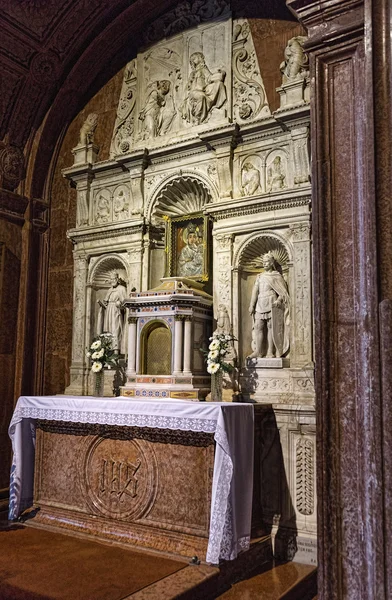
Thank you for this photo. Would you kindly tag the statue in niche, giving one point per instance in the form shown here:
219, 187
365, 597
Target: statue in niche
190, 259
120, 206
86, 135
276, 176
223, 326
270, 309
103, 210
205, 91
250, 179
157, 114
111, 313
296, 63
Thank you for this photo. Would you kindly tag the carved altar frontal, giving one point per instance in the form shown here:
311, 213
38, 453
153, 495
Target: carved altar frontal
168, 329
122, 483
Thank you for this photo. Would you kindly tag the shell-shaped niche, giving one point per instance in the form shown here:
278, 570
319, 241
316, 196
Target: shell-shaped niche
251, 258
100, 276
182, 196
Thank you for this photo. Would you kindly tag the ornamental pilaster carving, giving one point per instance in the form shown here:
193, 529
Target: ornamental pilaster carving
300, 145
79, 312
302, 314
305, 476
222, 268
136, 172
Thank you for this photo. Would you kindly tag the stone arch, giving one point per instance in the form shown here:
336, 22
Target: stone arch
155, 354
99, 271
249, 255
181, 194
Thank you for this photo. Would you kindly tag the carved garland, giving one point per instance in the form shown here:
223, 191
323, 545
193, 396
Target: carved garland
305, 476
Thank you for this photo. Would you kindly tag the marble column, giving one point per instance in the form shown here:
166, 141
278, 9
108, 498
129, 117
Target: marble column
349, 49
178, 345
188, 346
132, 329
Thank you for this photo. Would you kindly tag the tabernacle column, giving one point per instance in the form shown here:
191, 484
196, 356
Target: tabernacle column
188, 346
177, 345
132, 346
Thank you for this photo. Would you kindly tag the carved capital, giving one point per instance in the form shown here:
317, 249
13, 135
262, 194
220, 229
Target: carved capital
132, 320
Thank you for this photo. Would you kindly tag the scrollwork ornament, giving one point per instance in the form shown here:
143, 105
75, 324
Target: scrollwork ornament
249, 93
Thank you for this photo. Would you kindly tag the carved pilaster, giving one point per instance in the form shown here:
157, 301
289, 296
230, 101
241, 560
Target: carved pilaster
222, 270
301, 351
135, 266
300, 146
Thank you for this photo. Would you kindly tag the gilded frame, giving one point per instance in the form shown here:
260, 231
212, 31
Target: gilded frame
179, 230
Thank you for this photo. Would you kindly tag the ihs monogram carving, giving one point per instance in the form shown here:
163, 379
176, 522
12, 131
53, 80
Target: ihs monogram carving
118, 476
250, 99
305, 476
118, 479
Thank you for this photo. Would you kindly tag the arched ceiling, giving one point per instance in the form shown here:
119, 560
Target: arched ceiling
55, 54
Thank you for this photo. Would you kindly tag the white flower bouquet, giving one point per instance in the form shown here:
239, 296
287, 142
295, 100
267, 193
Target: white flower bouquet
102, 353
220, 345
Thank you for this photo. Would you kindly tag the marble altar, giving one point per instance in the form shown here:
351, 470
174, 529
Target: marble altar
143, 472
195, 138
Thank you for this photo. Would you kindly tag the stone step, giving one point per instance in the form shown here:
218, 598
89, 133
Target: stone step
288, 581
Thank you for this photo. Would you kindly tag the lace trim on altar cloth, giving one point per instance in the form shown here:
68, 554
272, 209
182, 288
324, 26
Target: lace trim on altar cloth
75, 416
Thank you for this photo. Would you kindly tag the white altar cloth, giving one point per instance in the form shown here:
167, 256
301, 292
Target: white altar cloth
231, 423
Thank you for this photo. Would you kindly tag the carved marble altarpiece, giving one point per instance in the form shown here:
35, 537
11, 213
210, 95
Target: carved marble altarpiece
195, 141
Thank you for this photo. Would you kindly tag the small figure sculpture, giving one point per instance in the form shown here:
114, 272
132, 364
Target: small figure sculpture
250, 179
120, 206
111, 313
269, 307
295, 65
190, 260
103, 210
156, 114
206, 91
223, 326
276, 176
87, 130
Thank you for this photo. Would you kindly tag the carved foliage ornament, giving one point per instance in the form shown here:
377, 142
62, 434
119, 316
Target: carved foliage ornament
249, 94
185, 15
125, 121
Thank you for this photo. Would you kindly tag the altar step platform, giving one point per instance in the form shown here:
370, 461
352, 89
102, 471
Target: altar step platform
37, 564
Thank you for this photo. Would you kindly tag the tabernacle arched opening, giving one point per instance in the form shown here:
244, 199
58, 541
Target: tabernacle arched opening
156, 342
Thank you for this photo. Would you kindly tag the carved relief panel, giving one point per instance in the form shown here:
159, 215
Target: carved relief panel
249, 96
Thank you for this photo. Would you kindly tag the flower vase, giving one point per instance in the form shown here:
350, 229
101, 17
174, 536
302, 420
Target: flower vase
99, 384
217, 386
